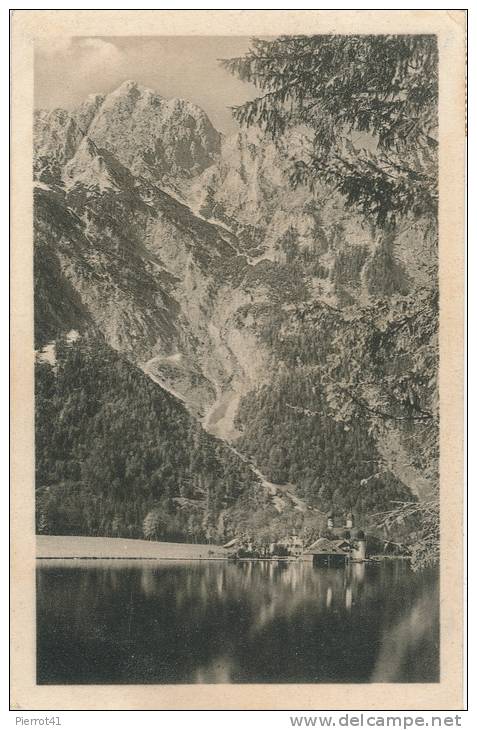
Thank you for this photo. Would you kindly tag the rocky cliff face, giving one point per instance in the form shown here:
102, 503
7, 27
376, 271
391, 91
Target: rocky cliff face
117, 252
187, 251
249, 190
152, 136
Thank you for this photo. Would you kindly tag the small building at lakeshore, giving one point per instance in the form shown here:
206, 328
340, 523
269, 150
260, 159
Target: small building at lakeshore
338, 543
326, 552
292, 545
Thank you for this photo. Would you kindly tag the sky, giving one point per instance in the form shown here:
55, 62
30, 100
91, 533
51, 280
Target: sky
68, 69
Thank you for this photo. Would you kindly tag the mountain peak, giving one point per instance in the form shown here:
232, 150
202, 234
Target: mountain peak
127, 85
94, 98
150, 135
132, 88
154, 136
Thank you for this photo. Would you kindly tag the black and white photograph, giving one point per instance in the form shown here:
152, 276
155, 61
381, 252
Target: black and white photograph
236, 298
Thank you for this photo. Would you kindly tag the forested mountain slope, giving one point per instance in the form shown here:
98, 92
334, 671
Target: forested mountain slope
192, 270
114, 450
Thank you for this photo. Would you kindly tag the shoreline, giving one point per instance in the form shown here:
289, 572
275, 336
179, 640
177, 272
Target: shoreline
72, 548
62, 547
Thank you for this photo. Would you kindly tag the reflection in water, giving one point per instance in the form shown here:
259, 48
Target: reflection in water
113, 623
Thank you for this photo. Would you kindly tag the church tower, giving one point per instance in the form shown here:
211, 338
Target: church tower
359, 550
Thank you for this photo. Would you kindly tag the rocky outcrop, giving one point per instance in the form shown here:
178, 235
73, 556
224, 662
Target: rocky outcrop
56, 137
152, 136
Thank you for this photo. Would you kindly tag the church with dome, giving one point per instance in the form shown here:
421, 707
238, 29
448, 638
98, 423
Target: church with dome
338, 544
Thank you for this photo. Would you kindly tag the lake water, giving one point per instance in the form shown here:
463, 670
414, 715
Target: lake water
116, 622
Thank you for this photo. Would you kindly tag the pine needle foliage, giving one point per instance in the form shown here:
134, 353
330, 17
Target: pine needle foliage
371, 103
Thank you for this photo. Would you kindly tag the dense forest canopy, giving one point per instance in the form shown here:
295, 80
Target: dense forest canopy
118, 456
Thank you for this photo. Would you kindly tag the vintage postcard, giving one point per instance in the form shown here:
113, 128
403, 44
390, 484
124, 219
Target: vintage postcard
237, 363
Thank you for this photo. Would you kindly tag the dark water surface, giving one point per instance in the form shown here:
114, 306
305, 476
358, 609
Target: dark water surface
111, 622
